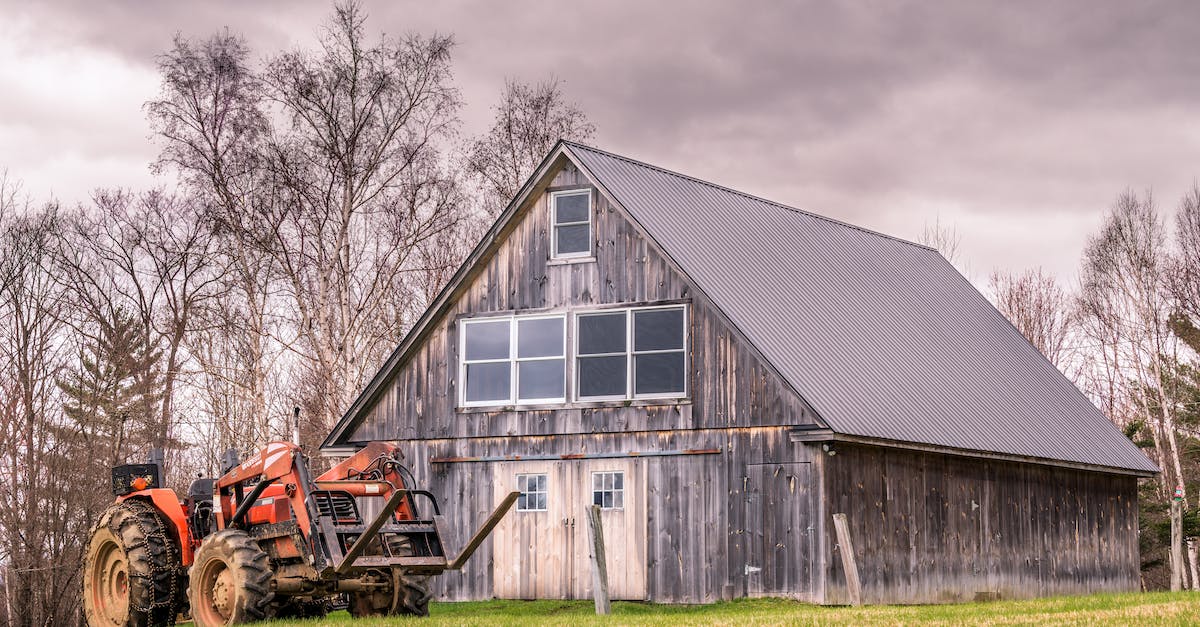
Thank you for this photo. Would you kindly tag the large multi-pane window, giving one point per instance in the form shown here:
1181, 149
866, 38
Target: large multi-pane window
571, 224
631, 353
513, 360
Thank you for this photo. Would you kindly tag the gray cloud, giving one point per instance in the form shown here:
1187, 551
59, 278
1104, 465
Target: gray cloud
1018, 121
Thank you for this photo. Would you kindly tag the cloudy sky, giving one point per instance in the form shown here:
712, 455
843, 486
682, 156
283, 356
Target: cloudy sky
1018, 124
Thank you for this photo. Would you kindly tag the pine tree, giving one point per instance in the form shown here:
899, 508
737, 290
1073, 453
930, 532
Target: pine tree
112, 397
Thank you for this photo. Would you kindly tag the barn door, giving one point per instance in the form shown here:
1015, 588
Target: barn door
618, 487
779, 530
533, 556
541, 550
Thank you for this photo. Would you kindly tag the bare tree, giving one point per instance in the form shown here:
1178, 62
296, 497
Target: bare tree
1126, 302
359, 185
1185, 271
212, 123
40, 523
1039, 308
530, 119
944, 239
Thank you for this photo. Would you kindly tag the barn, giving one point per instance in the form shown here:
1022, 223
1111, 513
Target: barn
723, 375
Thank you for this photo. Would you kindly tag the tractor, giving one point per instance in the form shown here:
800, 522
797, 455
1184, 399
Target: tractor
266, 540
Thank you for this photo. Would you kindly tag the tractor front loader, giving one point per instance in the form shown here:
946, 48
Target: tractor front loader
267, 540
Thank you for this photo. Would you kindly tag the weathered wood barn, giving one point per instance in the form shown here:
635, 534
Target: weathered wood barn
723, 374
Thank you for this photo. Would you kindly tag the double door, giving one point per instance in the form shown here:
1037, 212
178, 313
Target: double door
542, 549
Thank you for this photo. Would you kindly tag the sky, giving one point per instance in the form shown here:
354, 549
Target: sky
1016, 123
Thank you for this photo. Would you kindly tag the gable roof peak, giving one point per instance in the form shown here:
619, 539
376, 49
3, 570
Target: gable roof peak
730, 190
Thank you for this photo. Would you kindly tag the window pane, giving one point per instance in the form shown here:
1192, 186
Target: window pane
573, 239
541, 483
597, 481
540, 337
598, 498
541, 379
601, 376
608, 500
619, 500
486, 340
488, 382
602, 333
658, 373
573, 208
619, 481
541, 500
522, 503
657, 329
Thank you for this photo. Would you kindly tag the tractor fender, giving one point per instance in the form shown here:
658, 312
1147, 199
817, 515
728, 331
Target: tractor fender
165, 501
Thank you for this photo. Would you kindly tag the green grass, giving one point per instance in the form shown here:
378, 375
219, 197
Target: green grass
1159, 608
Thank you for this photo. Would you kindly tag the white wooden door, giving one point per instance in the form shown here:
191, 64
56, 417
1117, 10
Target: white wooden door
532, 545
619, 487
542, 549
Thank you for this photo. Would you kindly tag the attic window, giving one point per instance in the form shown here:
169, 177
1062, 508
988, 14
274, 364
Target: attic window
571, 224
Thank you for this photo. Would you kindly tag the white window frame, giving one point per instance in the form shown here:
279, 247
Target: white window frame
513, 361
521, 476
554, 224
630, 353
614, 490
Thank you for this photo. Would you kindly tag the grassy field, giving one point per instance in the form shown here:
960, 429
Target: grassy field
1123, 609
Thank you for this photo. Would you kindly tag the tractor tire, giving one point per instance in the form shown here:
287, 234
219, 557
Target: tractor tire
413, 600
291, 608
230, 581
132, 573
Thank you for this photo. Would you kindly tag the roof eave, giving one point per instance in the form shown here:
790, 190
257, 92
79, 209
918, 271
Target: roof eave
815, 436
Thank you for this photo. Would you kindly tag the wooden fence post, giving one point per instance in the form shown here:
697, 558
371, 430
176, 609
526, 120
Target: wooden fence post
1176, 544
849, 564
599, 562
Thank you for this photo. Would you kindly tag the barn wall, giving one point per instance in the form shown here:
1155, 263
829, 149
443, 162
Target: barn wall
930, 528
702, 527
728, 384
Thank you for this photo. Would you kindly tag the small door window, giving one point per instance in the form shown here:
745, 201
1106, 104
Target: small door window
533, 493
608, 489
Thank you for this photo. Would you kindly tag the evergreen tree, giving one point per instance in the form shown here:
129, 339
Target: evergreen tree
111, 400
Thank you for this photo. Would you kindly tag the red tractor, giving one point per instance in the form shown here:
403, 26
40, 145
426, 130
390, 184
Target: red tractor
267, 540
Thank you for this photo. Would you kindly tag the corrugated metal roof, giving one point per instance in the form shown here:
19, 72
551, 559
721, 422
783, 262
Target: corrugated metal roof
883, 337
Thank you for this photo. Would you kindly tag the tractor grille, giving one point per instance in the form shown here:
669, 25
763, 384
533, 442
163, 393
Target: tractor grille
338, 505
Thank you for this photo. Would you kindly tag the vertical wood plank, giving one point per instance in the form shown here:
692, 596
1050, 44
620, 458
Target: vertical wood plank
599, 561
849, 563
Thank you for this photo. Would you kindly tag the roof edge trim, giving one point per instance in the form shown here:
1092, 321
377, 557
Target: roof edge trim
815, 436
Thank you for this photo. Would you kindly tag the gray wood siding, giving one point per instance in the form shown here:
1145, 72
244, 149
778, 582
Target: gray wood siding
930, 528
697, 541
728, 384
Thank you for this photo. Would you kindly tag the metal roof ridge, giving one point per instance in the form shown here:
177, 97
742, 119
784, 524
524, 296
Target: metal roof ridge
750, 196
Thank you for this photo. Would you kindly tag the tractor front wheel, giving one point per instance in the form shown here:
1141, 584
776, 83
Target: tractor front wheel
131, 573
411, 598
230, 581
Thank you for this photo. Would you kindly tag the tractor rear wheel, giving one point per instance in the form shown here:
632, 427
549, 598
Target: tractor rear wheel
230, 581
132, 569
